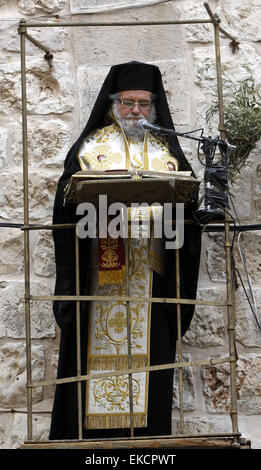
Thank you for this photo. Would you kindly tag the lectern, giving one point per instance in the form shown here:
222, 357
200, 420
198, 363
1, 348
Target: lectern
130, 187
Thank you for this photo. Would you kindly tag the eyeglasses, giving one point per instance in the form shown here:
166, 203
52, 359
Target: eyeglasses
130, 104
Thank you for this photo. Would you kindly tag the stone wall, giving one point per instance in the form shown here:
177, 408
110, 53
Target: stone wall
59, 100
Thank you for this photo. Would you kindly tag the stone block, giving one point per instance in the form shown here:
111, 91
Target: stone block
42, 188
43, 255
201, 33
30, 7
247, 329
250, 245
243, 20
52, 38
3, 149
48, 144
234, 68
257, 187
90, 80
216, 380
176, 71
203, 425
54, 363
40, 426
12, 251
188, 387
12, 309
95, 46
241, 193
207, 326
100, 6
1, 435
257, 204
215, 257
49, 90
13, 374
6, 421
250, 428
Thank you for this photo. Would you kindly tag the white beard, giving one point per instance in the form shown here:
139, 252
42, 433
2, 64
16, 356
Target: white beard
129, 122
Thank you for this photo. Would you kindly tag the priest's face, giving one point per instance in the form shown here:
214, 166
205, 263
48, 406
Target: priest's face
141, 108
132, 105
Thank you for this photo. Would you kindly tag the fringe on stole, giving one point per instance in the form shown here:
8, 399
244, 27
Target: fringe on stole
116, 362
114, 421
116, 276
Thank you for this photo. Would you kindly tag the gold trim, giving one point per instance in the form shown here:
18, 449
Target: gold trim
114, 422
127, 151
112, 277
79, 158
145, 153
116, 362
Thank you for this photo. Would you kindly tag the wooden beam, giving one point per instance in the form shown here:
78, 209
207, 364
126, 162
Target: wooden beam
132, 443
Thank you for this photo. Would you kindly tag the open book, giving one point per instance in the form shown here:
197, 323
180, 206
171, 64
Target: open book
154, 183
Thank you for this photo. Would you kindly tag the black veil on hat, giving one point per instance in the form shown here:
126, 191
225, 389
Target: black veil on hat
128, 76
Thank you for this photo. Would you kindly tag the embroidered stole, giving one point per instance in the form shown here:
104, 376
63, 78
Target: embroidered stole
107, 399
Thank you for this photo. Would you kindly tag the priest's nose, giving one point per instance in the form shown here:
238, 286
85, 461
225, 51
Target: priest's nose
135, 109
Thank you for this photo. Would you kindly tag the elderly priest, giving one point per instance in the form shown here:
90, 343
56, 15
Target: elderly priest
111, 140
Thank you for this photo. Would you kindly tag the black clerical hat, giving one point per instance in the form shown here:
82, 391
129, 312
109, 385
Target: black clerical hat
136, 76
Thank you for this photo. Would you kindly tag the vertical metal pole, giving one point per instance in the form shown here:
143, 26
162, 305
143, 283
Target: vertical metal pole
22, 32
179, 351
221, 126
129, 337
229, 276
78, 336
231, 329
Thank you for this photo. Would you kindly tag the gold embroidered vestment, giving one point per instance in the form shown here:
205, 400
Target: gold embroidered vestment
107, 399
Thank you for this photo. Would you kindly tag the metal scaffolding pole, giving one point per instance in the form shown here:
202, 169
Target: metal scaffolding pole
78, 337
227, 243
22, 32
231, 358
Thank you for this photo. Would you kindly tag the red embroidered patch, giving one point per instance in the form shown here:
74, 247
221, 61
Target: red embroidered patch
100, 158
171, 166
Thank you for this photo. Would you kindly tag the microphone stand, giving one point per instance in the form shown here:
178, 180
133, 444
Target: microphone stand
215, 177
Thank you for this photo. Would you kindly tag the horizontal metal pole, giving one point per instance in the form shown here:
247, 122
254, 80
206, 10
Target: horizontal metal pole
46, 226
23, 411
142, 438
137, 370
127, 299
210, 227
114, 23
212, 20
216, 225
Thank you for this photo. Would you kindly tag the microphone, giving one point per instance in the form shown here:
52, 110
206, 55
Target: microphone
144, 124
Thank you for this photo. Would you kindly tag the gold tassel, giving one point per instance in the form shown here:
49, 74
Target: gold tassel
114, 421
112, 277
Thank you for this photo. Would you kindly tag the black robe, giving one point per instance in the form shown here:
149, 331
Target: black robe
163, 333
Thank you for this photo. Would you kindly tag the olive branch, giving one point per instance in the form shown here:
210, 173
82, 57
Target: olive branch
242, 119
